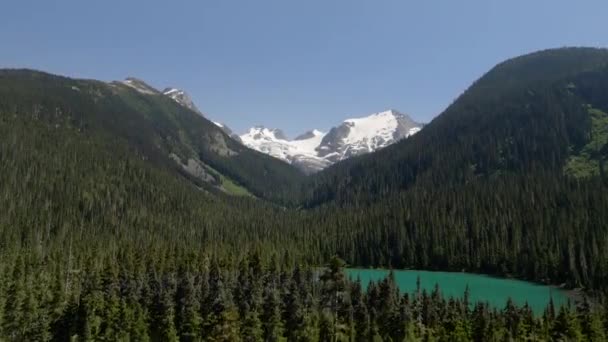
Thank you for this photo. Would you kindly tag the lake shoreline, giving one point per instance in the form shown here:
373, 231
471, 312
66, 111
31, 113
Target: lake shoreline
576, 295
485, 287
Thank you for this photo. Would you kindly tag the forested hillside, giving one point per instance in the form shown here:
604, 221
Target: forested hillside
191, 297
152, 125
509, 179
104, 236
531, 114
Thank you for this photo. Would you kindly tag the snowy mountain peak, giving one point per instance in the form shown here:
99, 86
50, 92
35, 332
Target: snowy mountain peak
182, 98
315, 150
373, 129
366, 134
386, 115
140, 86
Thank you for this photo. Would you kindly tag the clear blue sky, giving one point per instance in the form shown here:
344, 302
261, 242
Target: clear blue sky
294, 64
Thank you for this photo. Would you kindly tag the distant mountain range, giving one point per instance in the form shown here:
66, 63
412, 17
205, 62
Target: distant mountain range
315, 150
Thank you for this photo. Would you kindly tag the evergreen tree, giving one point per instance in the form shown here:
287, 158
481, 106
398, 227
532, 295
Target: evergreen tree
480, 323
271, 316
335, 297
14, 304
251, 326
162, 322
187, 315
590, 322
361, 316
566, 326
293, 314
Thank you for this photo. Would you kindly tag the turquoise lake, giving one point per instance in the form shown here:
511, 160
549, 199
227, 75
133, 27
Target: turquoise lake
495, 291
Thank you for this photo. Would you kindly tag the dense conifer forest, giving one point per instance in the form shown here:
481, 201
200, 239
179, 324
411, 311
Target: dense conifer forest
107, 234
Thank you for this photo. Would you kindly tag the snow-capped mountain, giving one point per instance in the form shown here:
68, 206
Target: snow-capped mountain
315, 150
367, 134
182, 98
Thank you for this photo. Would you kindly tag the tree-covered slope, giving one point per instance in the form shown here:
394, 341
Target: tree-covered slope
535, 113
150, 124
508, 180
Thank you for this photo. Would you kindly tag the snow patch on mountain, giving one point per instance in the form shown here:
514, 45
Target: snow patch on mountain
181, 97
177, 95
414, 130
140, 86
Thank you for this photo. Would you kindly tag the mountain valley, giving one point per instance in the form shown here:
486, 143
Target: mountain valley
129, 215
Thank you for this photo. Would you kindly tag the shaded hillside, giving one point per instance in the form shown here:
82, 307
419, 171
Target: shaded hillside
151, 124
